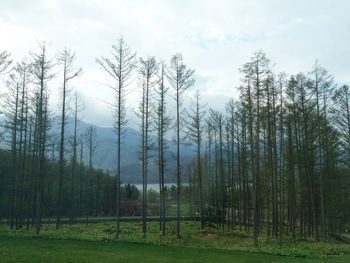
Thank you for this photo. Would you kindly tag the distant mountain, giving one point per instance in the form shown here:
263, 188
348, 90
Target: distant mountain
106, 155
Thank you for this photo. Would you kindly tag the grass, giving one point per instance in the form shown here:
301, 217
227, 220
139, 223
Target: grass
28, 249
220, 244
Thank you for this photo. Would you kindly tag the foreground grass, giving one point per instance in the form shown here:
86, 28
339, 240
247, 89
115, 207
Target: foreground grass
192, 237
26, 249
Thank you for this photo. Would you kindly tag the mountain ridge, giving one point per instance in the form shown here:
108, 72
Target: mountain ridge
106, 154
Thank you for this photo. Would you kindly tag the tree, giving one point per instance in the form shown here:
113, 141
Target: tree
162, 123
77, 108
321, 85
5, 61
231, 108
180, 78
281, 83
148, 74
81, 173
23, 72
255, 72
66, 59
119, 68
217, 123
91, 143
341, 109
305, 107
42, 74
12, 119
341, 116
195, 129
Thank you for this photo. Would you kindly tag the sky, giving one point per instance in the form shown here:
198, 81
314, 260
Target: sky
215, 38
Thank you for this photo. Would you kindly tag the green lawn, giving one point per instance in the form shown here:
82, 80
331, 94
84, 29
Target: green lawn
96, 242
26, 249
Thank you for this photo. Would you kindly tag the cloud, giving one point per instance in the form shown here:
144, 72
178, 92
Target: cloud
215, 39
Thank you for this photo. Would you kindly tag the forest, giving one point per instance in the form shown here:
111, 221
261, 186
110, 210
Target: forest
275, 165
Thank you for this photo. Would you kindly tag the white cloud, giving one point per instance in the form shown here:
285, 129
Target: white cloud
216, 38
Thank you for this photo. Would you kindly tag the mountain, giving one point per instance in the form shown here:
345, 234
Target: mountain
106, 154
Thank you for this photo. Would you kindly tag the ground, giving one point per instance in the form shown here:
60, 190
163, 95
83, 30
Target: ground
96, 243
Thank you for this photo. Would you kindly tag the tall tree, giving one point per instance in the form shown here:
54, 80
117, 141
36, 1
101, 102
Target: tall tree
91, 143
42, 68
162, 122
195, 130
341, 115
23, 70
217, 122
119, 68
77, 108
148, 74
255, 71
322, 85
231, 108
341, 109
306, 106
180, 78
66, 59
12, 120
281, 83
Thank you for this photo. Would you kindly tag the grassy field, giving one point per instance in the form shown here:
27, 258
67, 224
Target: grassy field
96, 243
15, 249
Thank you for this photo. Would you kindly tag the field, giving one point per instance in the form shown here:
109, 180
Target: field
95, 243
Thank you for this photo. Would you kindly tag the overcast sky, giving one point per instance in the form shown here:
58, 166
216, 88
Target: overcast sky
215, 38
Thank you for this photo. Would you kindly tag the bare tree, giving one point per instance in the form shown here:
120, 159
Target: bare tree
195, 129
119, 68
322, 86
11, 123
42, 74
5, 61
255, 72
91, 143
77, 108
66, 59
162, 123
180, 78
148, 76
217, 123
231, 108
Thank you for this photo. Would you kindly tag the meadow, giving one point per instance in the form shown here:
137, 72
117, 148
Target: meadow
96, 242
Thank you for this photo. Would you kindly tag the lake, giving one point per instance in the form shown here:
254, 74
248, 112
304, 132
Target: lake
155, 187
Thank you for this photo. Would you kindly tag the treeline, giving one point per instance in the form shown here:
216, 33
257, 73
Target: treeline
276, 161
94, 193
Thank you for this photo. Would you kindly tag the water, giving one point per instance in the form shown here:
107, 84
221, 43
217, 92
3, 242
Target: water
154, 187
